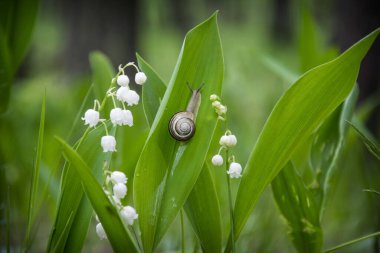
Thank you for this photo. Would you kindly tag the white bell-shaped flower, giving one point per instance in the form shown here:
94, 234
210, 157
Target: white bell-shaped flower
108, 143
140, 78
228, 141
128, 96
117, 117
127, 118
129, 214
235, 170
123, 80
217, 160
118, 177
91, 118
119, 190
100, 231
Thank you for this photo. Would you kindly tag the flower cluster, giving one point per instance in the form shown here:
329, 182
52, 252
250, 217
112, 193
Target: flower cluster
119, 116
116, 189
227, 141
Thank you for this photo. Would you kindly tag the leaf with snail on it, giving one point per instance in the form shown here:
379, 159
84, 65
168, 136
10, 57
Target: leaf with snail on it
303, 107
167, 169
202, 206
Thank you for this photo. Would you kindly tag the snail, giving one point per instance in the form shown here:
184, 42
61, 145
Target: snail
182, 124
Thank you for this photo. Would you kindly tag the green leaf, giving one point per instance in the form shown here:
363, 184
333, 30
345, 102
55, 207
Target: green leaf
36, 175
327, 146
303, 107
202, 205
152, 92
118, 235
371, 145
71, 194
203, 210
6, 71
167, 169
297, 205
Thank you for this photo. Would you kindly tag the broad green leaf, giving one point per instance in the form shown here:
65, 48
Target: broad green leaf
202, 209
152, 92
118, 235
71, 194
371, 144
327, 146
6, 71
36, 175
202, 205
167, 169
303, 107
297, 205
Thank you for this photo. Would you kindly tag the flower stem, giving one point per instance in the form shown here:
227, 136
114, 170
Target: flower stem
137, 239
232, 222
182, 231
352, 242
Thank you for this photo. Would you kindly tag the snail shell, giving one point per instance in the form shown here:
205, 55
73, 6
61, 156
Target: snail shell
182, 126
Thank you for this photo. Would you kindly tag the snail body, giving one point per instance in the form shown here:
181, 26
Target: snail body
182, 124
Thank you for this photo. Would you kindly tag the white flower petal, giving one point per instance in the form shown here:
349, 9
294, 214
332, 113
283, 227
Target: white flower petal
100, 231
119, 190
129, 214
108, 143
118, 177
91, 118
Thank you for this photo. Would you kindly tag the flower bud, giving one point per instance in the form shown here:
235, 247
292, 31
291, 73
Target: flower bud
140, 78
100, 231
118, 177
123, 80
217, 160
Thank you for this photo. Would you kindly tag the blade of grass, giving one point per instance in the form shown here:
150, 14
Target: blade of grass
303, 107
340, 246
119, 237
371, 145
35, 176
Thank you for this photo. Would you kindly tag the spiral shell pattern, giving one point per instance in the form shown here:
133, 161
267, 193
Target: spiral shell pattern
181, 126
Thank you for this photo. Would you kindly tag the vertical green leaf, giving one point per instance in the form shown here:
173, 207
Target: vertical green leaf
297, 205
167, 170
303, 107
202, 205
117, 234
36, 175
203, 210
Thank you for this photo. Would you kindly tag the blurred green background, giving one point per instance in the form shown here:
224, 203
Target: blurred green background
267, 44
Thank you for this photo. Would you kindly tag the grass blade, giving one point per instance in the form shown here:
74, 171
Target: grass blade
352, 242
36, 175
118, 235
304, 106
371, 145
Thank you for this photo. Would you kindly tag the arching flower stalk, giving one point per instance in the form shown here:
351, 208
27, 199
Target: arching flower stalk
233, 169
115, 185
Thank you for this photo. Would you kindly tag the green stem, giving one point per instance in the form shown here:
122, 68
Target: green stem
182, 231
352, 242
231, 206
136, 238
